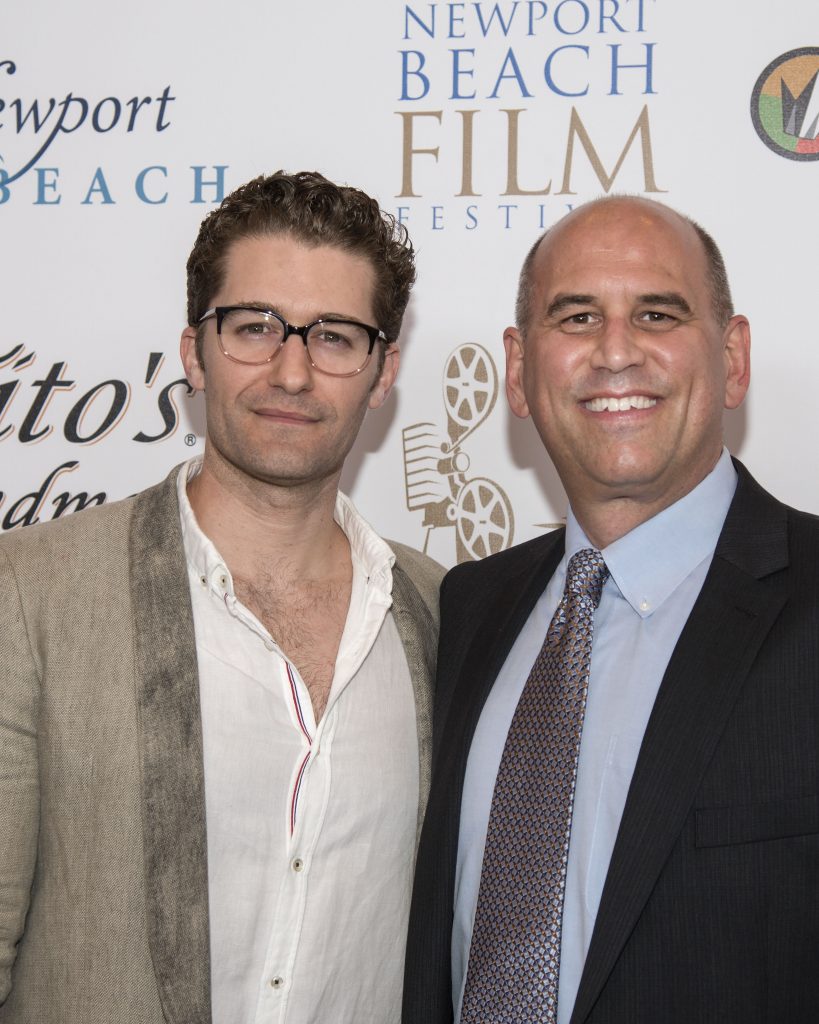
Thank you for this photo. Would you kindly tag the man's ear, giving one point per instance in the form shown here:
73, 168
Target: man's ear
190, 359
736, 347
513, 343
383, 386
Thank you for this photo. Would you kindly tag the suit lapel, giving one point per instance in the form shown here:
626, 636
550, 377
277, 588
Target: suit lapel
504, 606
730, 619
173, 801
483, 608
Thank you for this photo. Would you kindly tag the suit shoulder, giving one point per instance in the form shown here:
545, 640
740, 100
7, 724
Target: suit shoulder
424, 571
76, 534
81, 538
504, 564
803, 546
806, 523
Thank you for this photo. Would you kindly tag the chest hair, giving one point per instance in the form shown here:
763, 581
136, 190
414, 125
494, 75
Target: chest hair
306, 619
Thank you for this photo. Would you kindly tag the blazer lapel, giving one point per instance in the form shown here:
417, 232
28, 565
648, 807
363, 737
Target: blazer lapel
173, 801
419, 635
733, 614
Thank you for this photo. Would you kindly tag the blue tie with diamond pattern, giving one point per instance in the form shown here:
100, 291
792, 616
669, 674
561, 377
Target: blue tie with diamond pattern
514, 957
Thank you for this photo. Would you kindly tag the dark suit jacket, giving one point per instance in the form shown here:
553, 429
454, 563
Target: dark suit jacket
710, 910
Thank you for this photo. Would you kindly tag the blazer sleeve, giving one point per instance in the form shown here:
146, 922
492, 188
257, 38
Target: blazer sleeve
19, 776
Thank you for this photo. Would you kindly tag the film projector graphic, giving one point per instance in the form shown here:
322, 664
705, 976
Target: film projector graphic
436, 466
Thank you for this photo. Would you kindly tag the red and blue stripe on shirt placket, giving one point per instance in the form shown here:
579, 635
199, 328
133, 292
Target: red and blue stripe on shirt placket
294, 800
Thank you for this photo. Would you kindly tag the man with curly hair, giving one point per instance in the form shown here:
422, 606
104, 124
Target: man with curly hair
213, 770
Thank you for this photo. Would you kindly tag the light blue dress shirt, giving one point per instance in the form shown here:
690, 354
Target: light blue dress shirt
657, 571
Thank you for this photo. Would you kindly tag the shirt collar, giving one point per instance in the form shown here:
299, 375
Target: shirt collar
371, 555
652, 560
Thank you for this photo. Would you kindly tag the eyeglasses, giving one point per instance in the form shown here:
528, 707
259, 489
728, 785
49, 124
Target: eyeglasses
253, 336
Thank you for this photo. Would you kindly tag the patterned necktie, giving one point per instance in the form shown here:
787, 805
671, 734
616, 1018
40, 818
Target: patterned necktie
514, 958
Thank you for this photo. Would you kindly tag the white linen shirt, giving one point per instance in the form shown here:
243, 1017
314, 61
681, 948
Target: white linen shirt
310, 826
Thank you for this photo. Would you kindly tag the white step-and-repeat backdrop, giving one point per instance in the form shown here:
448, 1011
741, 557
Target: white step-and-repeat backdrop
478, 124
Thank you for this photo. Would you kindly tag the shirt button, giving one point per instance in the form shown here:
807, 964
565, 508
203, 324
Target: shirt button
298, 864
276, 982
644, 605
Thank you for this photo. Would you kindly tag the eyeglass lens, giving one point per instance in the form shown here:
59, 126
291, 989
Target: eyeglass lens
253, 336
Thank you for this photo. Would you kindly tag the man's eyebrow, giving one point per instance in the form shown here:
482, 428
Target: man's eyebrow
566, 300
672, 299
263, 307
563, 300
272, 307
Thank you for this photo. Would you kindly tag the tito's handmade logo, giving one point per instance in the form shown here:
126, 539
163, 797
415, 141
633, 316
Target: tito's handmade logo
33, 416
785, 104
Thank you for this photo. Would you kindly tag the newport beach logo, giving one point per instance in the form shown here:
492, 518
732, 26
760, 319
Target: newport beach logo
35, 130
785, 104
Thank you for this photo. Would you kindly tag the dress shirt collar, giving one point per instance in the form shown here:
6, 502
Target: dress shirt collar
652, 560
371, 555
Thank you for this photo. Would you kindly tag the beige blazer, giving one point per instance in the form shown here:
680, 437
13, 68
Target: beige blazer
103, 873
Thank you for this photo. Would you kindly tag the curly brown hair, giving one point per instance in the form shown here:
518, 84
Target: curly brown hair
313, 211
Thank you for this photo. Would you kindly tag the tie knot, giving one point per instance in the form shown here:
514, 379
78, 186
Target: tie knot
586, 573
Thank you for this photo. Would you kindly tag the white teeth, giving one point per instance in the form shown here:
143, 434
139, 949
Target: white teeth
620, 404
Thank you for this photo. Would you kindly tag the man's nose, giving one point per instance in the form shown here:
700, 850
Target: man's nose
290, 368
618, 346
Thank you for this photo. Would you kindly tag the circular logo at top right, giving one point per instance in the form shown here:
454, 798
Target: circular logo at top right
785, 104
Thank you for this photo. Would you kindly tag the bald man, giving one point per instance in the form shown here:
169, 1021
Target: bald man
624, 818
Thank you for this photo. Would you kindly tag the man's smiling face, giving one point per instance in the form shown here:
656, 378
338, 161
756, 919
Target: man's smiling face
623, 366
